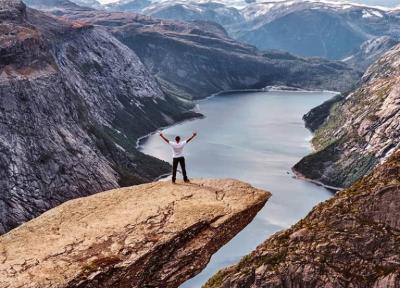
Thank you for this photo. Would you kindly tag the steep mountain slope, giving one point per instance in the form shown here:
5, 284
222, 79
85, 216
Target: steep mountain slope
73, 102
362, 130
194, 60
351, 240
370, 51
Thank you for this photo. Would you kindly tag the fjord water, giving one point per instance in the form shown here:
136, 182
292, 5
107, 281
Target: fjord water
257, 138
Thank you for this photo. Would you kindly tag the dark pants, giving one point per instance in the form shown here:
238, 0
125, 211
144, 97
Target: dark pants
180, 160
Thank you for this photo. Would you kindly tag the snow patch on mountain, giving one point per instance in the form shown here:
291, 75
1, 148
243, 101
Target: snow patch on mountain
371, 14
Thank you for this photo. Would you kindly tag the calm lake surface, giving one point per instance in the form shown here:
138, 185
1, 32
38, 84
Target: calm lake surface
257, 138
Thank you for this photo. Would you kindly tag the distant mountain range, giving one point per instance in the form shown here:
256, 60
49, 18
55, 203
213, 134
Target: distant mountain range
306, 28
198, 58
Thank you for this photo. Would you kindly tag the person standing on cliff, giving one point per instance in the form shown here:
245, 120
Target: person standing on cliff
177, 154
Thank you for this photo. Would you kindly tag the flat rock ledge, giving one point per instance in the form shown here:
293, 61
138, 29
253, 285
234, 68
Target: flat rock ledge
152, 235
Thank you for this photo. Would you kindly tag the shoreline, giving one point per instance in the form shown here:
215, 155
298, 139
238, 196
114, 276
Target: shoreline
272, 89
299, 175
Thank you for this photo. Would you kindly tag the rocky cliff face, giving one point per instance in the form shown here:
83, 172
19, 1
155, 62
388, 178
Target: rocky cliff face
361, 130
73, 101
351, 240
124, 238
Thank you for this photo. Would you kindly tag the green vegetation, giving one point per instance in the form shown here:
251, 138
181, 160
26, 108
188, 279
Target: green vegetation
216, 280
372, 181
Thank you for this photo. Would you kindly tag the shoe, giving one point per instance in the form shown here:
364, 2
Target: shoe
186, 181
173, 181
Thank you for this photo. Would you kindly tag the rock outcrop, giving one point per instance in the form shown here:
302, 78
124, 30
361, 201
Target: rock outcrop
151, 235
317, 116
351, 240
361, 130
73, 102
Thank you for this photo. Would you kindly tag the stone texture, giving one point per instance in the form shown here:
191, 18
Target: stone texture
73, 101
351, 240
151, 235
362, 129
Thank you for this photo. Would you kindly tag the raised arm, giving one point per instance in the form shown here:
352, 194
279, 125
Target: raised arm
191, 138
163, 137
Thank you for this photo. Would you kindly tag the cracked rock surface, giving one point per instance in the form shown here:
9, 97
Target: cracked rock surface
151, 235
351, 240
361, 130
